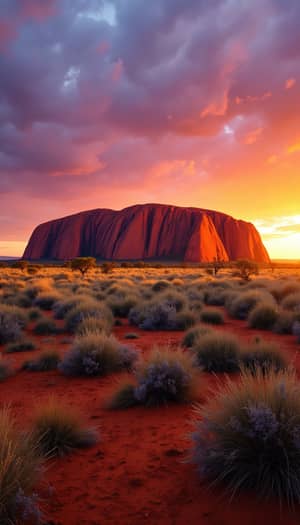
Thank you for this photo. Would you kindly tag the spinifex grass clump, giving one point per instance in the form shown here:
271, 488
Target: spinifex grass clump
248, 436
208, 315
161, 315
292, 302
58, 429
45, 326
97, 354
217, 352
88, 309
194, 334
12, 321
5, 369
24, 345
167, 376
20, 466
240, 305
263, 356
296, 330
46, 300
47, 360
263, 316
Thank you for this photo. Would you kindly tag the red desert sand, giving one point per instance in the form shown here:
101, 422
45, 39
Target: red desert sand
136, 474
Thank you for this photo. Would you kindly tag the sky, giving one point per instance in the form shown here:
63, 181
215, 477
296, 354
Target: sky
185, 102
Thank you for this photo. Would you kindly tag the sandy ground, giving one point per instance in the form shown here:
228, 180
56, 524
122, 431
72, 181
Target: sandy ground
137, 474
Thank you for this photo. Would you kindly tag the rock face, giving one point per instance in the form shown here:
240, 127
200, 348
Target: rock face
147, 231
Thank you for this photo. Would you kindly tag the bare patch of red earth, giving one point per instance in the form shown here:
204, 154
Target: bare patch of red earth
136, 474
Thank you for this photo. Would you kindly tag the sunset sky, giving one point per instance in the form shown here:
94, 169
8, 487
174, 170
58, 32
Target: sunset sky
187, 102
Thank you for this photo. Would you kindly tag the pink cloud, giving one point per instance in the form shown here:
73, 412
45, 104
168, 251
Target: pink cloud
289, 83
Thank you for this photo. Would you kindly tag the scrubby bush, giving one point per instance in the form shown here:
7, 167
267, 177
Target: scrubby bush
194, 334
24, 345
248, 436
160, 285
83, 264
263, 356
263, 317
173, 298
185, 319
92, 324
131, 335
62, 307
215, 296
217, 352
5, 369
211, 316
34, 313
20, 466
284, 322
46, 300
47, 360
160, 316
12, 321
280, 289
97, 354
121, 306
58, 429
166, 376
45, 326
246, 268
240, 305
89, 309
292, 302
296, 330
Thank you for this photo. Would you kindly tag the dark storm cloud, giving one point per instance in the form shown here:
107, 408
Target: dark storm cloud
104, 91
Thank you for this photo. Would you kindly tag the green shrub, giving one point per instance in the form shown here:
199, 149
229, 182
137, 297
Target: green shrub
217, 352
248, 436
20, 466
211, 316
58, 429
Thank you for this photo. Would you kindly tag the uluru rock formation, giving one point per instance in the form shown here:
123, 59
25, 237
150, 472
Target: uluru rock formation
147, 231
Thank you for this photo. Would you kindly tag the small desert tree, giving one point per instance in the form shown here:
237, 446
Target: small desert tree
107, 266
246, 268
217, 265
20, 265
83, 264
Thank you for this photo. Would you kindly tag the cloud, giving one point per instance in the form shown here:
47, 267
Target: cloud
289, 83
105, 102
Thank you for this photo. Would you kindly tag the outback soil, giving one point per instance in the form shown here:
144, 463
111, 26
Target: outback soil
137, 473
